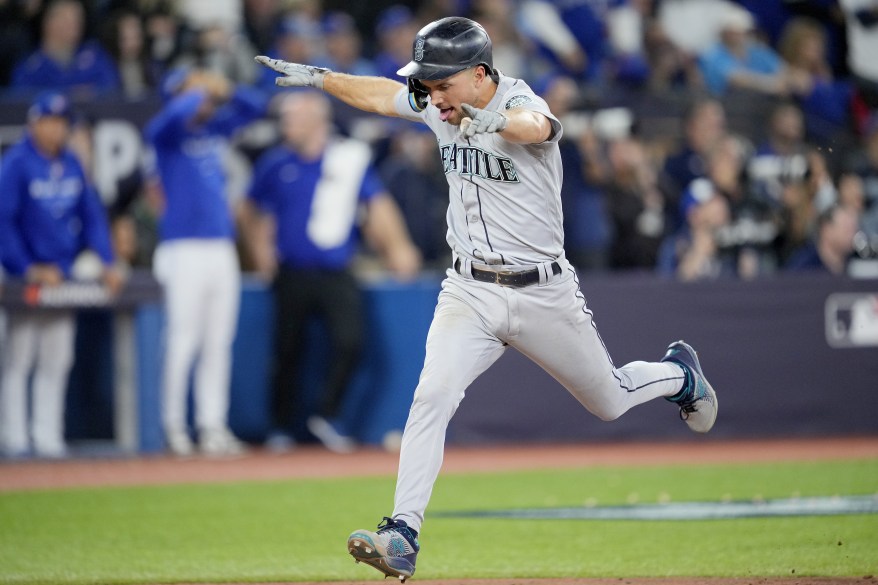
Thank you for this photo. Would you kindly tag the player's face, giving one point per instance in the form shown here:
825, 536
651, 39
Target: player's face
50, 133
450, 93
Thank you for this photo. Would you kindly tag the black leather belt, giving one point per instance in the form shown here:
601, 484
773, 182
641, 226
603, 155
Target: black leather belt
507, 277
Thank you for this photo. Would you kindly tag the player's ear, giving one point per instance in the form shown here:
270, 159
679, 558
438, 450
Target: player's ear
487, 72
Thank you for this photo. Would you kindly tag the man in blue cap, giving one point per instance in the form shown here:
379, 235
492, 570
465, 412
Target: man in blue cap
49, 214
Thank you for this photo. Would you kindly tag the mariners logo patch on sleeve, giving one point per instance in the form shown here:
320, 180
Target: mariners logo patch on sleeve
516, 101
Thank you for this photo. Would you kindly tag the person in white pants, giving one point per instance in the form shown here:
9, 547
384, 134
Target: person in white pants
42, 343
196, 260
49, 214
201, 281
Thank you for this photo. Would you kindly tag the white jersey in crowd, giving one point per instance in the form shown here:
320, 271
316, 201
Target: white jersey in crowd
512, 214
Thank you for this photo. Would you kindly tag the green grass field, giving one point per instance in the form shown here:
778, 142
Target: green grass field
296, 530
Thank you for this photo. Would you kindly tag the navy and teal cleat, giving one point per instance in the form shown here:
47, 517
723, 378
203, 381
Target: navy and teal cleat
392, 550
697, 399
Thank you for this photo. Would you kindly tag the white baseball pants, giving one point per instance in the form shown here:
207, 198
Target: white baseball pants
202, 285
551, 325
42, 343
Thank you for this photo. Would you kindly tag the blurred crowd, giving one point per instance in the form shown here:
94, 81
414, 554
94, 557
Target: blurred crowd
703, 139
777, 126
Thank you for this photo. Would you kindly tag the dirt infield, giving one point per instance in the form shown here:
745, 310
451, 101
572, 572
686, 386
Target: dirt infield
791, 580
313, 462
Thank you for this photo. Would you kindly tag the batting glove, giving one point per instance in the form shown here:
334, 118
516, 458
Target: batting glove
295, 75
483, 121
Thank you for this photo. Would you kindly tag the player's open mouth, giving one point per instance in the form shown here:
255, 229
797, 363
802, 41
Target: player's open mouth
445, 113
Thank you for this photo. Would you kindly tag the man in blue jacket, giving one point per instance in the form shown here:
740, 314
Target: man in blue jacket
49, 214
196, 260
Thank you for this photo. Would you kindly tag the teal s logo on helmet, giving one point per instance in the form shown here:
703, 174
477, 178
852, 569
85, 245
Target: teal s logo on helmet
419, 49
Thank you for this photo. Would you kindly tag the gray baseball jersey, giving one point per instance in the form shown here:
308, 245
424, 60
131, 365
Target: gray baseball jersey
504, 214
504, 198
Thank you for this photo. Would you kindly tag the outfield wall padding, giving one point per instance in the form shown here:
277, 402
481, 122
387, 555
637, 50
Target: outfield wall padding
791, 356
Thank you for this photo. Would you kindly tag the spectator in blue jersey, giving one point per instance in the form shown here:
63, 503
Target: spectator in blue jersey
740, 61
64, 60
308, 192
49, 215
196, 260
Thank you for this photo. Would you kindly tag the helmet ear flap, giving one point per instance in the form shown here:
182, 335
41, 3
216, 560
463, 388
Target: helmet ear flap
418, 94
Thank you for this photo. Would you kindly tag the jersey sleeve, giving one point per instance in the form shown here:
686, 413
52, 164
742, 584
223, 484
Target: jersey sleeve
169, 125
15, 255
520, 96
405, 106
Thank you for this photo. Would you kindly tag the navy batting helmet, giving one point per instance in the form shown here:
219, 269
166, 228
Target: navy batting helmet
447, 46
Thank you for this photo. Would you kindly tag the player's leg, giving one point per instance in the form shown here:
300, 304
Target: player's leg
179, 268
212, 383
572, 351
461, 344
55, 339
292, 306
341, 305
18, 358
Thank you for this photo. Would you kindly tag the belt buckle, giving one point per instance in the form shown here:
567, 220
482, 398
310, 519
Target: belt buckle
502, 274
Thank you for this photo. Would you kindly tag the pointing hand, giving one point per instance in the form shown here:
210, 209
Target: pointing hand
295, 75
481, 121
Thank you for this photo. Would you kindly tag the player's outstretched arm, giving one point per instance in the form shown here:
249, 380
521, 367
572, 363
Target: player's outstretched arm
516, 125
370, 94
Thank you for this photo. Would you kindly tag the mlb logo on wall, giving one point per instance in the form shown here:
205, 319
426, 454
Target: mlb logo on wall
852, 320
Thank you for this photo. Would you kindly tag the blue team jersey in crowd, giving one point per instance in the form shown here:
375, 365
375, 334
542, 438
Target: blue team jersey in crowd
49, 212
315, 203
91, 66
190, 162
718, 64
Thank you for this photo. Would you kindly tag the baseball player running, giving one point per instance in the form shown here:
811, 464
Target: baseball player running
510, 284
